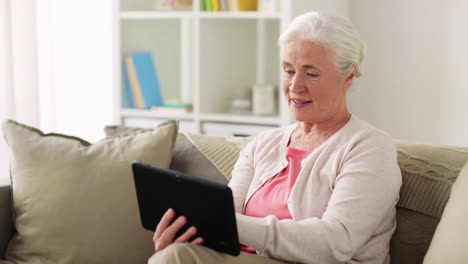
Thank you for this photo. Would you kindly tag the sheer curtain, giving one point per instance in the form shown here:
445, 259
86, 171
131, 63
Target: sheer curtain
57, 67
18, 69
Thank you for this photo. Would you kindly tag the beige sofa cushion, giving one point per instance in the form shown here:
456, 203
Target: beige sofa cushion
222, 152
450, 241
74, 202
428, 174
187, 157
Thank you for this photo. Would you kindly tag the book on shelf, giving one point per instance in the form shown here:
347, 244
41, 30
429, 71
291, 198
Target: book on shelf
173, 108
143, 80
231, 5
127, 98
223, 5
247, 5
208, 5
172, 5
216, 5
133, 81
264, 6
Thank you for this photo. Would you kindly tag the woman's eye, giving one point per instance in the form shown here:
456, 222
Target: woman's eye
288, 72
313, 75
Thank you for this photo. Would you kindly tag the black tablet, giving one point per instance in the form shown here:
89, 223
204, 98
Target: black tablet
207, 205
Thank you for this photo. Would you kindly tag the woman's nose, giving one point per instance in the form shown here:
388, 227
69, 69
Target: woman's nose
296, 85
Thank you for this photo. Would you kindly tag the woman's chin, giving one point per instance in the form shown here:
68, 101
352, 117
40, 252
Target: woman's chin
301, 117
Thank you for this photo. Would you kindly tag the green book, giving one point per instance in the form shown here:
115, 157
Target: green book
209, 5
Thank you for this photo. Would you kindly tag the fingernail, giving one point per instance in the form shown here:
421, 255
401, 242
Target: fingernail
181, 219
191, 229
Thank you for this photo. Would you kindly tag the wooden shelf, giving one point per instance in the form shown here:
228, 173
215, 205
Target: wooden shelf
238, 15
145, 15
206, 58
222, 117
154, 15
153, 114
241, 119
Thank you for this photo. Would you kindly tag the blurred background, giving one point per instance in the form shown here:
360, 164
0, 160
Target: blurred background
59, 61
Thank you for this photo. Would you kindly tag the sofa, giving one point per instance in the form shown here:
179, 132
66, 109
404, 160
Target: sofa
428, 171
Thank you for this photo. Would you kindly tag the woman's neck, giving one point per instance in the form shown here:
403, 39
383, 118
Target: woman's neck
335, 122
307, 136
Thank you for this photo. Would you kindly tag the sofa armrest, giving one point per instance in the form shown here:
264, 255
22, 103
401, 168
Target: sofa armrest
6, 223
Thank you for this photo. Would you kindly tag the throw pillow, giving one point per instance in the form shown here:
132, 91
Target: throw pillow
428, 173
187, 157
451, 236
223, 152
74, 202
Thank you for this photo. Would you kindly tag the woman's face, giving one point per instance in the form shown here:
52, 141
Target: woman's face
314, 89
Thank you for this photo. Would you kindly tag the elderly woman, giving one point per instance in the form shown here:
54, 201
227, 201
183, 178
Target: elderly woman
322, 190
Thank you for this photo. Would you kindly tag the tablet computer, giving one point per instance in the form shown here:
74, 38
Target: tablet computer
207, 205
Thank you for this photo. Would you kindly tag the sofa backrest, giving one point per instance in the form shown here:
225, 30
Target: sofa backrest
428, 172
6, 224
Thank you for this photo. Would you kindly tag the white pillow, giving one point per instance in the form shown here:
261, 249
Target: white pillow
450, 241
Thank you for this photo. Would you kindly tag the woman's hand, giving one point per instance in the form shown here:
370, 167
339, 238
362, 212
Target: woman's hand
165, 232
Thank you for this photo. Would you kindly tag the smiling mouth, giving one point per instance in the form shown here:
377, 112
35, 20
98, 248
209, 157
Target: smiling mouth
300, 102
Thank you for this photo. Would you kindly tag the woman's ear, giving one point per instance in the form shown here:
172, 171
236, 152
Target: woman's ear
350, 78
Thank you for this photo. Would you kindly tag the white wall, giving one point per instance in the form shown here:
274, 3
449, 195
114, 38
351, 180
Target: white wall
336, 7
415, 79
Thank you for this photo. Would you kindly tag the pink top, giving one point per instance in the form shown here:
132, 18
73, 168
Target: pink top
272, 197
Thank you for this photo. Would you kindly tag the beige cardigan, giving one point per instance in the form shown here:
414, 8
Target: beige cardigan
343, 202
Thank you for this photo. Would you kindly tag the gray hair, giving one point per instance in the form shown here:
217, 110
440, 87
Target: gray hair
332, 32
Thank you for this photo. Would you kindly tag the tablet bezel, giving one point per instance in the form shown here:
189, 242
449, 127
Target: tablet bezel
207, 205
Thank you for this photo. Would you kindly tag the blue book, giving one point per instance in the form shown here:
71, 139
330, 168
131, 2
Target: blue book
127, 99
148, 80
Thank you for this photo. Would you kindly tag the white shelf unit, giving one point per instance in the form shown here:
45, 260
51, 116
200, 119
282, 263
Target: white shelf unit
206, 58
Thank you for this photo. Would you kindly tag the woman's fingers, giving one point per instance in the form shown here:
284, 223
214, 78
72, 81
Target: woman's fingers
163, 224
168, 235
197, 241
187, 235
166, 231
